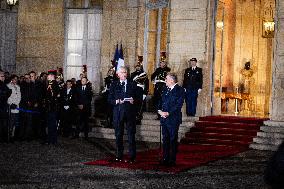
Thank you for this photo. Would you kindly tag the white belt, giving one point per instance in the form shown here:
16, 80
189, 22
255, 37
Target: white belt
158, 81
142, 86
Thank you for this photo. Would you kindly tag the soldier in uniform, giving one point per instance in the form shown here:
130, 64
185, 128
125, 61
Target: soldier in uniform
158, 78
192, 83
108, 81
140, 77
51, 105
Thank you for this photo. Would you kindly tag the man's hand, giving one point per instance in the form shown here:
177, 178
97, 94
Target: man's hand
66, 107
131, 101
80, 107
119, 101
163, 114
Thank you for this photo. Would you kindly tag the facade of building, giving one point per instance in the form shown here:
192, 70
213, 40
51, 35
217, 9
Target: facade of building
238, 44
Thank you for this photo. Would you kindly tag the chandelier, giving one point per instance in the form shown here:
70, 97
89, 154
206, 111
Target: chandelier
11, 3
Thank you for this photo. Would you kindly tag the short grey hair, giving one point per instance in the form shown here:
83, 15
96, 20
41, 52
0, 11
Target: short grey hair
121, 68
173, 76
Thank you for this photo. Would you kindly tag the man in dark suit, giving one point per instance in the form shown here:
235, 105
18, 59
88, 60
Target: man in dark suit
171, 118
192, 83
123, 95
84, 100
5, 93
67, 107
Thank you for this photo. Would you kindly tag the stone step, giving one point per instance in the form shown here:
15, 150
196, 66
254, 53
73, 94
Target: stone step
138, 137
157, 122
273, 129
269, 147
264, 140
139, 132
274, 123
153, 116
270, 135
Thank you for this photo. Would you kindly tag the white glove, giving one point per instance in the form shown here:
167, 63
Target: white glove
199, 91
66, 107
105, 89
144, 96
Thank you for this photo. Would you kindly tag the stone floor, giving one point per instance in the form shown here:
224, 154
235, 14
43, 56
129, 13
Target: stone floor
30, 165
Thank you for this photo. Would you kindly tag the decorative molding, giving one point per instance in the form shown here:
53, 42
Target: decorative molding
158, 4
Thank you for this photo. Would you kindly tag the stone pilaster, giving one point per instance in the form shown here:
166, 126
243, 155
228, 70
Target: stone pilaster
277, 97
188, 38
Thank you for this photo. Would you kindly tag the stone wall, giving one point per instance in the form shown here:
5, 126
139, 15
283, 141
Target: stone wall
40, 42
123, 23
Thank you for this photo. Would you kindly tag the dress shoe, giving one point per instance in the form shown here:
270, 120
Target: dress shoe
164, 162
172, 164
130, 161
117, 159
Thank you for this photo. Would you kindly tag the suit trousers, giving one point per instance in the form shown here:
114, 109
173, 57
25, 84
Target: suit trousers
170, 144
191, 101
119, 132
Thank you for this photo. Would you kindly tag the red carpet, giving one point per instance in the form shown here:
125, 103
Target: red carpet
212, 138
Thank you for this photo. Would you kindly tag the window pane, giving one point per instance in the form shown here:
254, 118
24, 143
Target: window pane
73, 72
74, 52
94, 25
76, 26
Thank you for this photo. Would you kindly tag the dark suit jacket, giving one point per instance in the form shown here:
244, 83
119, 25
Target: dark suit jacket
84, 98
172, 101
5, 93
126, 109
193, 79
68, 100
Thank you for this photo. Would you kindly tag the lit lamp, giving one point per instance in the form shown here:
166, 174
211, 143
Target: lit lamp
11, 3
268, 25
268, 29
220, 25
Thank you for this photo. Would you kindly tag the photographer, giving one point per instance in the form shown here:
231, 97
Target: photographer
5, 92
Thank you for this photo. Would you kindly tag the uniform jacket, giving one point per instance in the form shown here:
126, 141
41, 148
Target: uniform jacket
193, 79
141, 79
160, 74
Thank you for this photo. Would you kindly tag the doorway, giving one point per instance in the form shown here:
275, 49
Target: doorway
243, 57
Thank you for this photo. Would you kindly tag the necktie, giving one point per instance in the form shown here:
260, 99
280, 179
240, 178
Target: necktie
123, 86
83, 88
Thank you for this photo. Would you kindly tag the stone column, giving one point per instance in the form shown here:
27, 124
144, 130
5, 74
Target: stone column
277, 97
188, 30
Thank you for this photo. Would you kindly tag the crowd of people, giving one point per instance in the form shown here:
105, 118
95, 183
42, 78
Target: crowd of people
41, 107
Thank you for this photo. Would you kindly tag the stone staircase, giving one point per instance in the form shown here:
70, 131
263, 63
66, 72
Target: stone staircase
149, 130
270, 136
